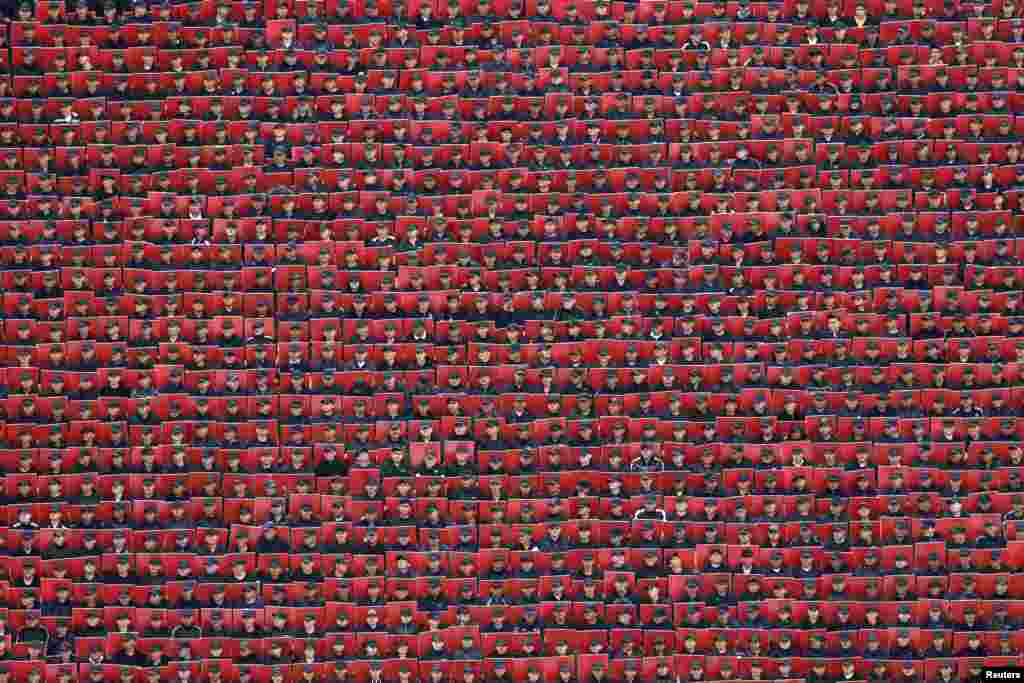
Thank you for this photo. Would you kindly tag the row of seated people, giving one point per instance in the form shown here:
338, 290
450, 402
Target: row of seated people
636, 364
502, 194
481, 304
178, 472
719, 104
960, 440
500, 129
912, 390
942, 569
605, 633
931, 379
669, 311
237, 422
827, 74
660, 304
164, 47
405, 223
246, 14
536, 154
454, 296
925, 419
170, 46
830, 469
933, 146
926, 135
962, 172
157, 28
179, 662
486, 215
899, 131
636, 85
626, 404
968, 516
463, 335
773, 521
204, 555
454, 305
975, 78
912, 480
515, 47
432, 236
426, 237
512, 196
790, 326
466, 295
661, 67
675, 627
196, 159
629, 269
392, 222
965, 601
962, 545
811, 486
535, 670
837, 506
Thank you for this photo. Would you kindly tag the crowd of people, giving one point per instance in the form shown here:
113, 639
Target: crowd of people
481, 341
